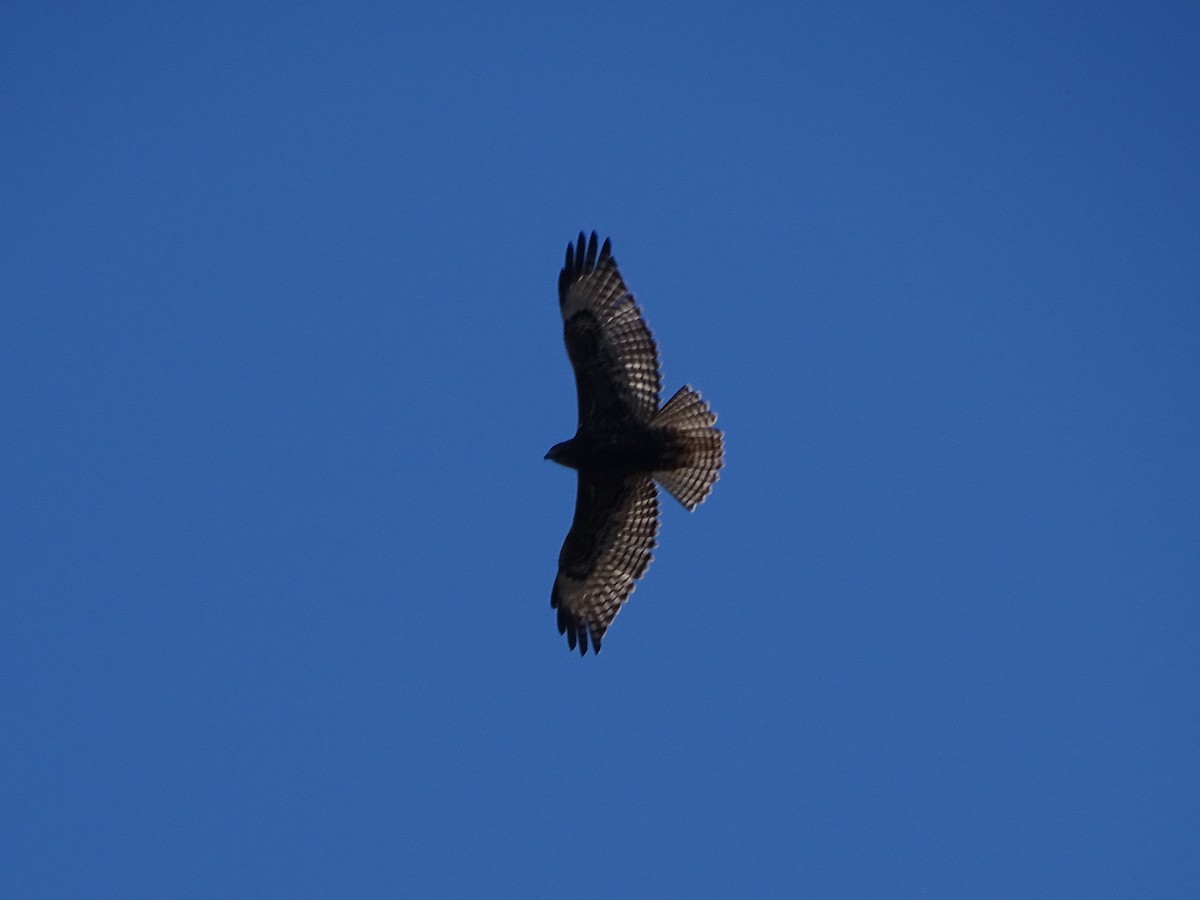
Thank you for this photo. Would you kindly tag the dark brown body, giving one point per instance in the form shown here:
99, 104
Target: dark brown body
625, 450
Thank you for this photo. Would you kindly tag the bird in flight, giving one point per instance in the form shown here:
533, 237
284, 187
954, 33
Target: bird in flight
624, 445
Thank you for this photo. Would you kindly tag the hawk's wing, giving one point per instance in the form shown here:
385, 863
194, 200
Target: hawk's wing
611, 350
605, 553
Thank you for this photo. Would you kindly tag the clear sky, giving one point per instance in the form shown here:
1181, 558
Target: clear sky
280, 357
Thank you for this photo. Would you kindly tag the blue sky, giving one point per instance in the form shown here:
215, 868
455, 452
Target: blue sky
281, 356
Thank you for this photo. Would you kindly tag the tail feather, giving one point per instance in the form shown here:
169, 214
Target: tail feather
703, 455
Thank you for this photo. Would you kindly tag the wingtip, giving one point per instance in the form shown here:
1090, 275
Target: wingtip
585, 632
584, 255
577, 631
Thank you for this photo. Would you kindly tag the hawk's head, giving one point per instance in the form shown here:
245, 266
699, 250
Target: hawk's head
565, 454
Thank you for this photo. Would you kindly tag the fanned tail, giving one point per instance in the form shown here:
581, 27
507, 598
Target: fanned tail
690, 419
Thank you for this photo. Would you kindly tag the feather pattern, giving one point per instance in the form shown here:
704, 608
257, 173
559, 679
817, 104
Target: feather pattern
623, 446
609, 345
605, 553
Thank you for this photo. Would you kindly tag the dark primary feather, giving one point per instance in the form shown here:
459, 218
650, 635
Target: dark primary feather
578, 263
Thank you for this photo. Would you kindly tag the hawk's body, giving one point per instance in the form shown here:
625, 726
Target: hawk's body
623, 445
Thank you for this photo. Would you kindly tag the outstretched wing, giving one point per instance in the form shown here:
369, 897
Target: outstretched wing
614, 357
605, 553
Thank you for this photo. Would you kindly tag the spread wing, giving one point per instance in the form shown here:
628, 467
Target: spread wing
605, 553
614, 357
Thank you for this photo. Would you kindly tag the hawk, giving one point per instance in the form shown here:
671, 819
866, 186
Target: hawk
624, 445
